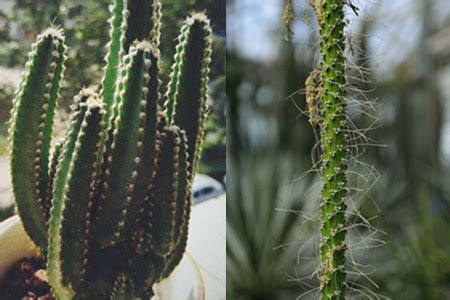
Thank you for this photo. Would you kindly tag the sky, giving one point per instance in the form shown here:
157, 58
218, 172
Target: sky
254, 30
253, 27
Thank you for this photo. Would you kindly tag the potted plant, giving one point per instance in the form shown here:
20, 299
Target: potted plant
186, 281
108, 206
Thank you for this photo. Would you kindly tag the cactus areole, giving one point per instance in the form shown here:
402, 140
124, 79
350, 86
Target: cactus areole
109, 206
330, 14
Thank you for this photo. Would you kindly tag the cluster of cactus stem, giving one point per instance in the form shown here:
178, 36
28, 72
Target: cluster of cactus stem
109, 204
333, 127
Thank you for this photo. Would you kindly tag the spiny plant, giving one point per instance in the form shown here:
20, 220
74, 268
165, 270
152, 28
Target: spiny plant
109, 205
333, 125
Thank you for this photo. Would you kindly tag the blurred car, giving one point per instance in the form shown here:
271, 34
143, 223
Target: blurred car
205, 188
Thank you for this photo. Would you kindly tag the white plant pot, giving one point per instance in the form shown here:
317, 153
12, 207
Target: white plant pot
199, 276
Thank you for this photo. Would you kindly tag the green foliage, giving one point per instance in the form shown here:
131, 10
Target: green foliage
330, 15
109, 206
259, 258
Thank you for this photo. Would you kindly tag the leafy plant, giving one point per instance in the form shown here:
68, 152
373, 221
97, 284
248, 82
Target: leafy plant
259, 257
109, 205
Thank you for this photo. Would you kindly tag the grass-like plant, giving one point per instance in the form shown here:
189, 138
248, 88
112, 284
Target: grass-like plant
109, 205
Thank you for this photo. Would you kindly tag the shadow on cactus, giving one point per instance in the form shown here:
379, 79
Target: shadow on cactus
109, 205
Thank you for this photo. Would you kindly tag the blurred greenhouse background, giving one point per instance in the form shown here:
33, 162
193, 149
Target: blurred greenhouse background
87, 32
402, 51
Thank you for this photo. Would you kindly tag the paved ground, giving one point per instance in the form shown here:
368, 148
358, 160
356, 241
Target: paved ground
5, 183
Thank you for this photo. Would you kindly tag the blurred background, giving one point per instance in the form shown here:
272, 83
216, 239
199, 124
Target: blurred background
400, 52
87, 33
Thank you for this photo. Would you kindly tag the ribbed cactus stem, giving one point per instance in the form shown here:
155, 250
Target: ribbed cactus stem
187, 91
56, 154
79, 197
59, 195
183, 210
31, 132
125, 155
159, 233
110, 206
143, 22
333, 141
131, 21
112, 57
124, 288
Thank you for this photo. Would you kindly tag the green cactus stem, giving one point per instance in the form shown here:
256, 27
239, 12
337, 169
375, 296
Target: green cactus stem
110, 207
126, 149
31, 131
334, 141
164, 209
112, 57
79, 194
187, 89
124, 288
145, 271
174, 258
183, 210
131, 20
144, 22
85, 108
56, 154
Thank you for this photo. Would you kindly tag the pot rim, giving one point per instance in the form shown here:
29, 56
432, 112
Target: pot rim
20, 246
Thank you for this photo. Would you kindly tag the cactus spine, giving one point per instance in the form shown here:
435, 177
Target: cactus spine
109, 206
330, 14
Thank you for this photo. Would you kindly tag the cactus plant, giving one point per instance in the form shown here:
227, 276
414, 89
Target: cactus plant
330, 15
109, 206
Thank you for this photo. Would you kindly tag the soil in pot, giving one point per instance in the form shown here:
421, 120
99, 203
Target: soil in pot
26, 280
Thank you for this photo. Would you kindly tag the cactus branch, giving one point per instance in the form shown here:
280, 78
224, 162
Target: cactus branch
58, 203
183, 210
56, 154
188, 86
334, 141
31, 131
123, 288
125, 153
110, 207
143, 22
78, 198
112, 57
160, 229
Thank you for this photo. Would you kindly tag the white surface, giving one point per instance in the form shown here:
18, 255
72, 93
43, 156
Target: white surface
5, 183
185, 283
206, 247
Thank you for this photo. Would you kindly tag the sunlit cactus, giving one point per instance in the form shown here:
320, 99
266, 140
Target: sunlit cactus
109, 206
31, 132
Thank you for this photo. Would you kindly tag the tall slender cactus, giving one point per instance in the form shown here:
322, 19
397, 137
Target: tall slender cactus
31, 130
109, 206
330, 14
183, 103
